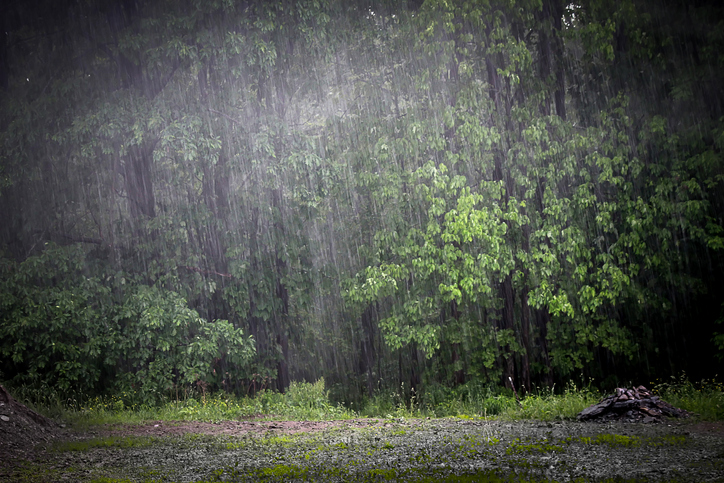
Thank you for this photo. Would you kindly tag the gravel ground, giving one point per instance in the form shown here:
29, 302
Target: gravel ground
387, 450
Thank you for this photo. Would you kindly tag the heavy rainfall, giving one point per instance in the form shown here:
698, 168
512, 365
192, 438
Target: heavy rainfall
361, 240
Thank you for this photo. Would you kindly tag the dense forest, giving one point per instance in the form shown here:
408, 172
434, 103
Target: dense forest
426, 196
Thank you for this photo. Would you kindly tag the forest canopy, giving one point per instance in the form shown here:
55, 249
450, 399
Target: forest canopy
438, 193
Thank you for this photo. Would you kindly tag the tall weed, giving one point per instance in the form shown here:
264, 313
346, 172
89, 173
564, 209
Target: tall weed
704, 398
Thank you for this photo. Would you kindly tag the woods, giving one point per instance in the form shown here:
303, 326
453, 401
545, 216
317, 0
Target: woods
438, 194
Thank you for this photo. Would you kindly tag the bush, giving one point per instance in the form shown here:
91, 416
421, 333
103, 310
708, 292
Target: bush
73, 327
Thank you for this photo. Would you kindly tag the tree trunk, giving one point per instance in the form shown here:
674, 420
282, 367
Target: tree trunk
367, 347
4, 69
281, 330
281, 319
459, 375
508, 315
541, 318
551, 54
139, 182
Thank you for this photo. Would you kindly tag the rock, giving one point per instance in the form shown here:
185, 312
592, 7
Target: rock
637, 404
624, 405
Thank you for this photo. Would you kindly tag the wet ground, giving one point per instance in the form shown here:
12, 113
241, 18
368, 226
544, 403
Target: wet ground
384, 450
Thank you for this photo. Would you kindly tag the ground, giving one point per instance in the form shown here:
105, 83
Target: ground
35, 449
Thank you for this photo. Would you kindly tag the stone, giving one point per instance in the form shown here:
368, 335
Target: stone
634, 405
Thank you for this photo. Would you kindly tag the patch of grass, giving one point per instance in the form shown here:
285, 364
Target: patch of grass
310, 401
622, 441
616, 440
473, 402
530, 447
46, 400
106, 442
302, 401
35, 472
545, 405
704, 398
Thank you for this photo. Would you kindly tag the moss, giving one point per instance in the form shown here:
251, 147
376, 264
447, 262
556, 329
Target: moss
621, 441
286, 471
31, 473
667, 440
106, 442
103, 479
385, 474
532, 447
617, 440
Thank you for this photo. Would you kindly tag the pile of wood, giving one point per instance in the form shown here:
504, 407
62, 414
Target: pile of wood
631, 405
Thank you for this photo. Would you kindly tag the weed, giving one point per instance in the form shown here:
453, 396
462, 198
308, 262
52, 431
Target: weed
704, 398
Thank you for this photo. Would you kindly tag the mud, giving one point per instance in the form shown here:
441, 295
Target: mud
386, 450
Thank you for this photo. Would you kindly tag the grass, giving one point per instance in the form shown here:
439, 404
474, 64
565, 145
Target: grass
106, 442
310, 401
390, 453
546, 405
302, 401
704, 398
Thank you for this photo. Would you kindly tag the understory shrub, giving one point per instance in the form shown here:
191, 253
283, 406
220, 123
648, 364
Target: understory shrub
78, 328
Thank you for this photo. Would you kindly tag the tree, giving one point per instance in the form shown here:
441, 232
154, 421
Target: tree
428, 193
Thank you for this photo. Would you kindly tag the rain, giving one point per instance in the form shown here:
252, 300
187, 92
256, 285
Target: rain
414, 202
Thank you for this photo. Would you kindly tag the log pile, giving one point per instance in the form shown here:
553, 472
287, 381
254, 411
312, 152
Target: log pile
631, 405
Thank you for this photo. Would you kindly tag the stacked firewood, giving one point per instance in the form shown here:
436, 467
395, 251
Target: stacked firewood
637, 404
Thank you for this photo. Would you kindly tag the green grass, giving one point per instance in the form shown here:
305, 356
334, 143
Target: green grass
479, 403
704, 398
546, 405
302, 401
106, 442
310, 401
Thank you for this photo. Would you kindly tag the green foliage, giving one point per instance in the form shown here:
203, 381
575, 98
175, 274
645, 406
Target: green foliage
303, 401
53, 320
81, 332
546, 405
450, 191
169, 344
474, 402
705, 398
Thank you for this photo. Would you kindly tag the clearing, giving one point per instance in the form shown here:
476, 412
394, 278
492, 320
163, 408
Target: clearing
367, 450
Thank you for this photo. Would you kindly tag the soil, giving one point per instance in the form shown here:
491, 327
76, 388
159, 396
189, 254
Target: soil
33, 448
234, 428
23, 432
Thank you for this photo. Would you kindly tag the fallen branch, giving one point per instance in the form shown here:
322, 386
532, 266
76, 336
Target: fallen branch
517, 399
